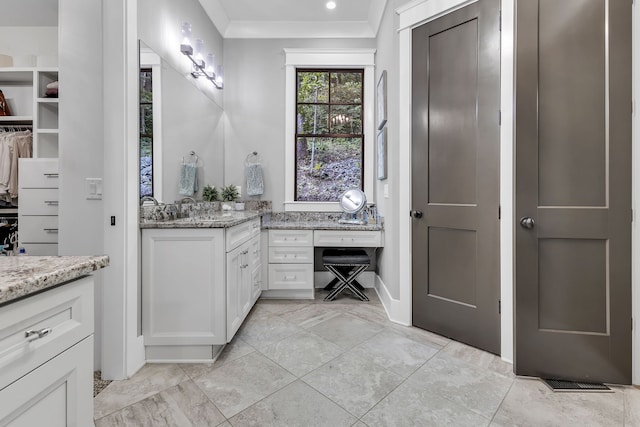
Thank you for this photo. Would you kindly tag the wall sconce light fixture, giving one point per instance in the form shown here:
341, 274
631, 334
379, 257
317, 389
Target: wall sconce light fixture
201, 68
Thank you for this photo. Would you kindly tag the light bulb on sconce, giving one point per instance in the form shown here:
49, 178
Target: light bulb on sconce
198, 47
210, 63
219, 80
185, 46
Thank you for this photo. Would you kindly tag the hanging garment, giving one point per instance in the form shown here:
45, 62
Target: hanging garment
22, 148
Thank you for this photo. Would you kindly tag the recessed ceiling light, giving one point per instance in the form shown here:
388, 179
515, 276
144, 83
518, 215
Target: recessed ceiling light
331, 5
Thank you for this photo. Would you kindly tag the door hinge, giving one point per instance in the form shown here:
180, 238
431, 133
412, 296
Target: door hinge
499, 20
499, 118
499, 307
499, 212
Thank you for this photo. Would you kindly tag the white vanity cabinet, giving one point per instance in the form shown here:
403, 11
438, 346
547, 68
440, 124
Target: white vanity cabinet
291, 263
198, 285
46, 378
183, 292
243, 273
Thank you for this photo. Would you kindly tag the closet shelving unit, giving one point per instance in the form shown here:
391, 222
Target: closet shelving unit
24, 89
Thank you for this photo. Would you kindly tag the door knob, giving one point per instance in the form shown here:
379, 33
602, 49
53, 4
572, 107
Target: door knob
527, 222
416, 214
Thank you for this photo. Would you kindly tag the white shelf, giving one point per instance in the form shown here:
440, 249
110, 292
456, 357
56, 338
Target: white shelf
47, 100
14, 75
15, 119
48, 131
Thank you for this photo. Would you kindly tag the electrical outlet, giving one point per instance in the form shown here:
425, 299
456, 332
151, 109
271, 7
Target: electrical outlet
385, 191
239, 187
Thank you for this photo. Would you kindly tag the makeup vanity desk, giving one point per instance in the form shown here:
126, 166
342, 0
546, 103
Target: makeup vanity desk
289, 248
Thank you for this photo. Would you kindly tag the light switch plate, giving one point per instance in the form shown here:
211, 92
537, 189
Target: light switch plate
93, 188
385, 190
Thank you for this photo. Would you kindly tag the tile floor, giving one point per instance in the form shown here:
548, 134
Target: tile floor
310, 363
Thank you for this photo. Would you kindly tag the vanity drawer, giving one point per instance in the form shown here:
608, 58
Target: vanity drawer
66, 311
290, 276
348, 238
238, 234
290, 237
38, 173
39, 201
38, 229
291, 254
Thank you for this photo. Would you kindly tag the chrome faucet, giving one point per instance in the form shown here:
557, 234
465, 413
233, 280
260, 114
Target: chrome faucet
149, 198
188, 199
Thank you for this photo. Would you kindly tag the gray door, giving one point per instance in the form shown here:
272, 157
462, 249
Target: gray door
573, 189
455, 186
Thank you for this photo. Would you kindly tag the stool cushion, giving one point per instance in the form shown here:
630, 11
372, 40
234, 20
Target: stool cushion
345, 257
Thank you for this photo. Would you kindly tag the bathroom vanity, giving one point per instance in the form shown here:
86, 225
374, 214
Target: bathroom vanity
200, 279
46, 340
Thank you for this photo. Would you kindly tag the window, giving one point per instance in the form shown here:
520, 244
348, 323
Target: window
329, 133
146, 132
350, 60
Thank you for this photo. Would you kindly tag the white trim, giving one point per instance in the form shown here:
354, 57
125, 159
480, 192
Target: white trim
392, 306
411, 15
328, 58
298, 29
216, 14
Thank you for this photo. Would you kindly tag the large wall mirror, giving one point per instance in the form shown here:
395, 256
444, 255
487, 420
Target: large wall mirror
176, 119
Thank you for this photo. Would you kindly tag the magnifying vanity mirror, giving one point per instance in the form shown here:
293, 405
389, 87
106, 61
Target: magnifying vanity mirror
353, 203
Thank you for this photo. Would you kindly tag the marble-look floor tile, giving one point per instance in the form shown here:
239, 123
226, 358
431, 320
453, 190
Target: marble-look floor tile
420, 335
180, 405
302, 353
239, 384
151, 379
346, 330
281, 306
313, 314
479, 358
347, 298
372, 312
260, 331
295, 405
532, 403
352, 382
395, 352
360, 424
631, 406
232, 351
477, 389
412, 405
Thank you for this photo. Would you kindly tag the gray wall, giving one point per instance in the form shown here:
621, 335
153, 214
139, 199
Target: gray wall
254, 106
387, 58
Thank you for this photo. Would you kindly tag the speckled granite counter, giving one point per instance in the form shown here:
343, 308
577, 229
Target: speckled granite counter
313, 221
24, 275
222, 219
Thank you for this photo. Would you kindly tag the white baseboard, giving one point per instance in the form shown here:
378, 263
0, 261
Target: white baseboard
392, 306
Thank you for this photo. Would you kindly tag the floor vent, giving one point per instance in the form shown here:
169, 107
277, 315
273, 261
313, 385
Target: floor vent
561, 385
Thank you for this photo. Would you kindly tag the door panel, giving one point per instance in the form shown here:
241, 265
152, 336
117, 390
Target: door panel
455, 160
573, 178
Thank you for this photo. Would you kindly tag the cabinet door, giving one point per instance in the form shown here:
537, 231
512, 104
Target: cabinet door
256, 285
183, 287
58, 393
236, 288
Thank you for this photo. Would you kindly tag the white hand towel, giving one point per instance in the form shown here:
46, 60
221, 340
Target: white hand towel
255, 180
188, 179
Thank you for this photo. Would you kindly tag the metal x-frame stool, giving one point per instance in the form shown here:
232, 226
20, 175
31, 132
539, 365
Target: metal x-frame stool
346, 265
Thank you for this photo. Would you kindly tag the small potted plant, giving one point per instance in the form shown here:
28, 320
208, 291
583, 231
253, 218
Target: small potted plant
229, 197
210, 193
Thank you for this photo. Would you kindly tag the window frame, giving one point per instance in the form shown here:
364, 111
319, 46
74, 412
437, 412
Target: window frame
149, 59
334, 59
329, 104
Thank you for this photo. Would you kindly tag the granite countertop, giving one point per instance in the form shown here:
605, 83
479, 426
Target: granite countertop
21, 276
319, 225
222, 219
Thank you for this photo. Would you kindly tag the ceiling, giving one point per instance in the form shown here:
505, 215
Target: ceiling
244, 18
29, 13
295, 18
